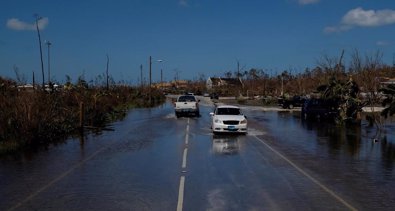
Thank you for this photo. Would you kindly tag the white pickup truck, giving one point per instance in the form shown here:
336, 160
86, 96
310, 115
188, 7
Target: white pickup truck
186, 105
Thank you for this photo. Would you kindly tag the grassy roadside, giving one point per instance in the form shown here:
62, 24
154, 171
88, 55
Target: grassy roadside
34, 117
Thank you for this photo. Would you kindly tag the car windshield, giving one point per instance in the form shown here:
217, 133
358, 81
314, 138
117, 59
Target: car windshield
228, 111
186, 98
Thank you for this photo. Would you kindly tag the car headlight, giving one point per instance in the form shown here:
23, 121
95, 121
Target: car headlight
244, 121
217, 121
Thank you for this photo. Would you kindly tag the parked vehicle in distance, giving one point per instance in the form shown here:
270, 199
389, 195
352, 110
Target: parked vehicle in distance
214, 96
320, 109
290, 103
186, 105
228, 119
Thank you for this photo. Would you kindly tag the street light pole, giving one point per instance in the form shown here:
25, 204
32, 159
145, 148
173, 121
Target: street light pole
150, 78
161, 74
41, 51
49, 67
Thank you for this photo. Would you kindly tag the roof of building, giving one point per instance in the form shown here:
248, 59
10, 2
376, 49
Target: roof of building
227, 81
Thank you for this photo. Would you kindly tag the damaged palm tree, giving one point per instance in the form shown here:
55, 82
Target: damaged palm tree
345, 96
389, 102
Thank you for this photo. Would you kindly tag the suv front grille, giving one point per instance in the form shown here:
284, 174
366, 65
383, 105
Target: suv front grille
231, 122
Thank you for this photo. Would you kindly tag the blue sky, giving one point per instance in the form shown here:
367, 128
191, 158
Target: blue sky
192, 37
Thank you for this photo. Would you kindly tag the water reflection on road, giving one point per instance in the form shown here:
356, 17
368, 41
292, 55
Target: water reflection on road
225, 144
359, 159
353, 141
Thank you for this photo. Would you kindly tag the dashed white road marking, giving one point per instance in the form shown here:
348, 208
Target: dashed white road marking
187, 135
184, 159
181, 188
181, 194
326, 189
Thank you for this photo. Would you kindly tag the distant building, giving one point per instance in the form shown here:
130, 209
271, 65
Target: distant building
177, 84
387, 81
26, 87
163, 85
180, 84
218, 82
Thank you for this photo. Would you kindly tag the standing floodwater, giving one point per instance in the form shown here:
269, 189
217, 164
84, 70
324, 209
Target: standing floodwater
360, 159
282, 163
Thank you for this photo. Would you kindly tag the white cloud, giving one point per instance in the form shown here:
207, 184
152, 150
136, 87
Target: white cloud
304, 2
333, 29
183, 3
383, 43
369, 18
16, 24
359, 17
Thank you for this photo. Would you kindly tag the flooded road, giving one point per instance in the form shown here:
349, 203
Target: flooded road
357, 162
154, 161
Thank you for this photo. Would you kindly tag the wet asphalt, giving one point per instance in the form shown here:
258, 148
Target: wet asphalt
154, 161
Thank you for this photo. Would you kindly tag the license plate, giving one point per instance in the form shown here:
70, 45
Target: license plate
231, 127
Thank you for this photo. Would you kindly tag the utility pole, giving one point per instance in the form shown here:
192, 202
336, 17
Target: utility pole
282, 85
339, 65
150, 80
393, 60
34, 82
108, 61
41, 51
161, 78
141, 75
176, 76
49, 67
238, 69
